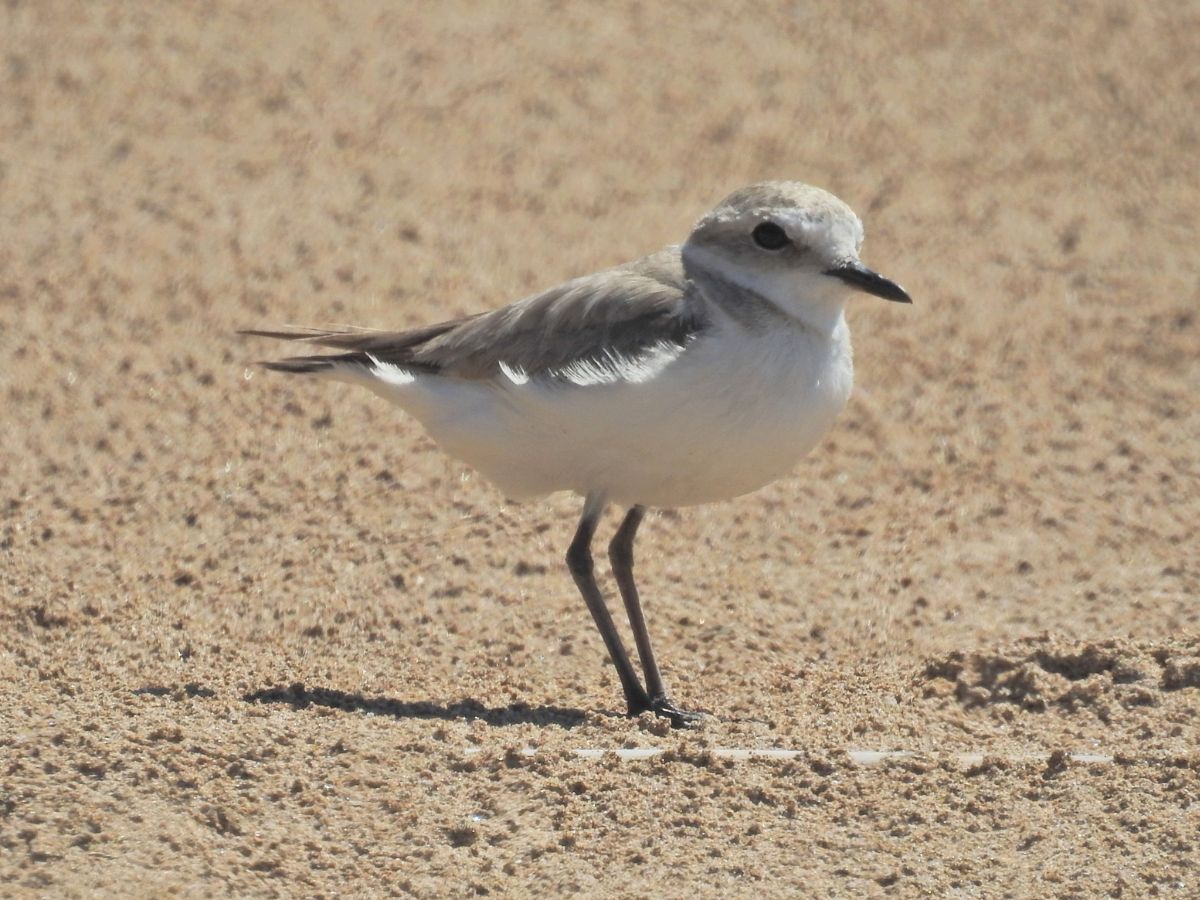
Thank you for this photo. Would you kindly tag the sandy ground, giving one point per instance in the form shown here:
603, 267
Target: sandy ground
259, 637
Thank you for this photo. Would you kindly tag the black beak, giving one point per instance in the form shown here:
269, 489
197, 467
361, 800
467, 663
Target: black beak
859, 276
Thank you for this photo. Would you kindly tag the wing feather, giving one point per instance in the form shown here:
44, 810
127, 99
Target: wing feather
619, 314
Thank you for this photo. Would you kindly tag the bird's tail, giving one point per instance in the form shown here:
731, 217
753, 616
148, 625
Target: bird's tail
303, 365
366, 349
331, 364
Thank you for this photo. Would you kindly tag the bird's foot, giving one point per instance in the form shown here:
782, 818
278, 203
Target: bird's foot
679, 718
637, 702
664, 708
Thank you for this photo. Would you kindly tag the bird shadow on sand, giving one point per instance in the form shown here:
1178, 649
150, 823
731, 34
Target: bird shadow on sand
298, 696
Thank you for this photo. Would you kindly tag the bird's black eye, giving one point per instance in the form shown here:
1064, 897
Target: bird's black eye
770, 236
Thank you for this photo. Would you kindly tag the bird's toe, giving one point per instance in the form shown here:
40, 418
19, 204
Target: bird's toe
679, 718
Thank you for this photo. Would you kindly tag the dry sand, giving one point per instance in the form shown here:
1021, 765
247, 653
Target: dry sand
260, 637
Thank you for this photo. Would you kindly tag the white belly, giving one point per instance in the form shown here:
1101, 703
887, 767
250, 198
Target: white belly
731, 414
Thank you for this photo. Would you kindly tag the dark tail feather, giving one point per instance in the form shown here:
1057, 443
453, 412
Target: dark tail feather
365, 346
307, 365
306, 335
387, 342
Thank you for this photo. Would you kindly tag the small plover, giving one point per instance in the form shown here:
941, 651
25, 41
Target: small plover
695, 374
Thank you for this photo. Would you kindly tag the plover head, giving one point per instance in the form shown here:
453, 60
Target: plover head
793, 244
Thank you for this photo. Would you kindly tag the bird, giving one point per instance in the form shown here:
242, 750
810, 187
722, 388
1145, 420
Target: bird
699, 373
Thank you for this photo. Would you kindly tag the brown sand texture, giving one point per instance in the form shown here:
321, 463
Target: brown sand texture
261, 638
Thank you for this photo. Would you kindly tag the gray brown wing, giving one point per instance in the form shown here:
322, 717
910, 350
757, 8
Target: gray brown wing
618, 314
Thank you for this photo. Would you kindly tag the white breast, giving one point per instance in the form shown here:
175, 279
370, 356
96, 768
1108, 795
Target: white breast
731, 413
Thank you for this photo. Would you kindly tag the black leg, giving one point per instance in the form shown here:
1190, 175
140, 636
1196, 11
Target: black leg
579, 561
620, 554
